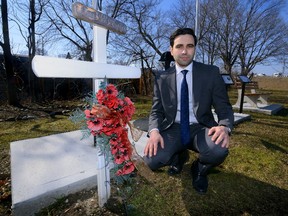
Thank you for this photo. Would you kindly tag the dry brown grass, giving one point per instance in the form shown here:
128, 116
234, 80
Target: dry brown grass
272, 83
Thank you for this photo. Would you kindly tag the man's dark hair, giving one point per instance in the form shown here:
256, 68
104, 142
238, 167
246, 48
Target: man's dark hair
182, 31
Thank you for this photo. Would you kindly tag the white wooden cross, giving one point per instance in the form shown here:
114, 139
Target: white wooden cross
51, 67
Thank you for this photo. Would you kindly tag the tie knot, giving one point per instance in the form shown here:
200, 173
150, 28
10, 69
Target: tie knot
184, 72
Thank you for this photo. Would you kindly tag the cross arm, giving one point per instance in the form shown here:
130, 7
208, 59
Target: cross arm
51, 67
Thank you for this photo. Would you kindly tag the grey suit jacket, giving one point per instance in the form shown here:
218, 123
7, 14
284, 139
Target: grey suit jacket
209, 91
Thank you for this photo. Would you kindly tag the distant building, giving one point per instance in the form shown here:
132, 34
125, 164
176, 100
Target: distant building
260, 74
277, 74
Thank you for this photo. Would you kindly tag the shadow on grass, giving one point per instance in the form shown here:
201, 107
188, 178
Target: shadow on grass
273, 147
283, 112
235, 194
156, 193
272, 124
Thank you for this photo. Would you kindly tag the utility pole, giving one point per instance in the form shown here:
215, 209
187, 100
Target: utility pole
197, 23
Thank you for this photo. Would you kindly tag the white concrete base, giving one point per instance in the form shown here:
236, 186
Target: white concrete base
43, 169
47, 168
261, 108
241, 117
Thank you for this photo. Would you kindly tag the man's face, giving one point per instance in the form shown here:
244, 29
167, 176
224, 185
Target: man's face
183, 50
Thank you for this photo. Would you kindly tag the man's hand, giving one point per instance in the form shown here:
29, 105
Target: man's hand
220, 134
153, 142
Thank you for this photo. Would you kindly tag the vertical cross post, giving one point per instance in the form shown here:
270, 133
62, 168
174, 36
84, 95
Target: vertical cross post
99, 48
100, 56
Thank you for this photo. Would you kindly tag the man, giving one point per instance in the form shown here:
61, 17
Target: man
172, 131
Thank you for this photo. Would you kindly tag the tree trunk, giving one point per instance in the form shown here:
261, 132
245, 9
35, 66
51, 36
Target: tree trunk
35, 93
143, 75
11, 88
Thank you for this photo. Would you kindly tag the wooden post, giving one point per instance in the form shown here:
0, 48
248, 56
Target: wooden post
100, 56
242, 97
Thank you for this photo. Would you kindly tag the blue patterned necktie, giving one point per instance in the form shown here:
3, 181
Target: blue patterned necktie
184, 112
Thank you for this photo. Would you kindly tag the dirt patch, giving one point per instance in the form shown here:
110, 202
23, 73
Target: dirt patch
11, 113
82, 203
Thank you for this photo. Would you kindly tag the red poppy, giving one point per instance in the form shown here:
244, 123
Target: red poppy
100, 96
113, 141
127, 169
111, 90
119, 159
96, 125
88, 114
114, 149
112, 103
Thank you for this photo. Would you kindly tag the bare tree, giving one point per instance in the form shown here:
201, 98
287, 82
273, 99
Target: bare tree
8, 62
182, 14
34, 17
262, 34
208, 41
26, 16
145, 38
144, 23
114, 9
222, 31
64, 27
245, 33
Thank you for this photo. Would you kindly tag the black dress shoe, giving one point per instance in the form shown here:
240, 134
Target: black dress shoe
177, 166
200, 180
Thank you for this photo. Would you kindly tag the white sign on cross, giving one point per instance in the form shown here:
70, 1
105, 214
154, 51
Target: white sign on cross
51, 67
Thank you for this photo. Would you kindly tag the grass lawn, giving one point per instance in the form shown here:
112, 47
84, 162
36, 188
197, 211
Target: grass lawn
251, 181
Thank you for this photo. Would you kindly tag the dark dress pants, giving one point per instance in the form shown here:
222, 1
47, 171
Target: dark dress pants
209, 153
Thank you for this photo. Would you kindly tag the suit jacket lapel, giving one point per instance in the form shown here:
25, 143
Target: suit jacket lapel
170, 90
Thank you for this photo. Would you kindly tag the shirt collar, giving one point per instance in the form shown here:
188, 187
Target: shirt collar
179, 69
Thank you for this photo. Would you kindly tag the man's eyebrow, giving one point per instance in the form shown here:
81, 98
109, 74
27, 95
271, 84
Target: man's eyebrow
180, 44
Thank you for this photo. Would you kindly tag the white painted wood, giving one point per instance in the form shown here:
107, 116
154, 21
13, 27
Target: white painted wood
99, 51
100, 56
52, 67
103, 179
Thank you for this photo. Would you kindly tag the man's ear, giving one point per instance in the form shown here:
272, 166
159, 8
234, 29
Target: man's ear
171, 50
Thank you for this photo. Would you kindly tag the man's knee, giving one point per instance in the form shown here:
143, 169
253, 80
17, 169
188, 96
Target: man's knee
215, 156
152, 163
220, 155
